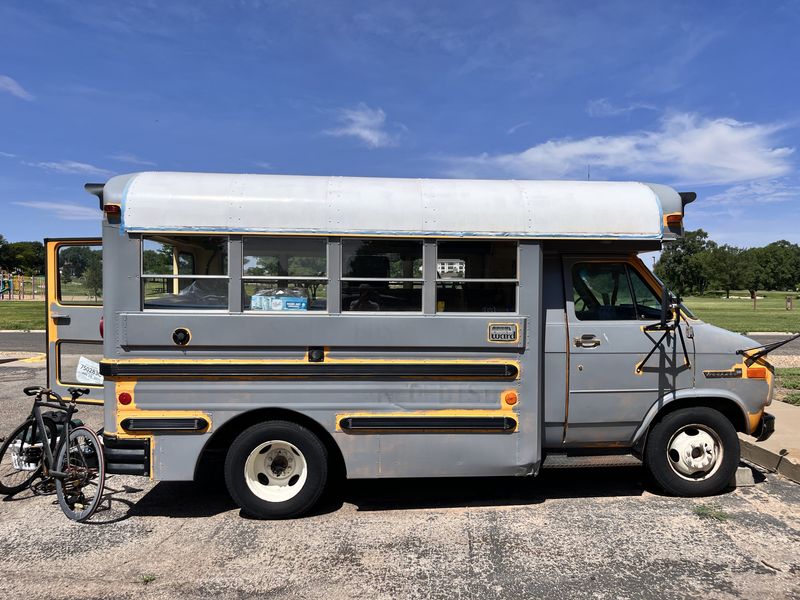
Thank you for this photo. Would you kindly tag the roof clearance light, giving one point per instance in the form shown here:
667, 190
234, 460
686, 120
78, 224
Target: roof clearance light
674, 219
112, 209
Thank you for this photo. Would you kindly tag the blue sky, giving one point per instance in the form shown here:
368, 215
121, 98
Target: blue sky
699, 95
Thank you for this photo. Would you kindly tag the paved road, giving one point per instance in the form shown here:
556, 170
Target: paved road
591, 533
790, 349
22, 342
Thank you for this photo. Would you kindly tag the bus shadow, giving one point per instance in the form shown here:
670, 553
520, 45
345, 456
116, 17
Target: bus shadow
210, 498
551, 484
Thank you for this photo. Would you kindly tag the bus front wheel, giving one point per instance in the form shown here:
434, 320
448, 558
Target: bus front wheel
692, 452
276, 470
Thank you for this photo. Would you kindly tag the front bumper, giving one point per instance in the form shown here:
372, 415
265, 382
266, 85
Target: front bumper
765, 428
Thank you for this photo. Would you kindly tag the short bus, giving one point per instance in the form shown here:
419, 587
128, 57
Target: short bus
298, 327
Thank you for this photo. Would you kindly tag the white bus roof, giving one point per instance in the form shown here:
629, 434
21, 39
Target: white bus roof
289, 204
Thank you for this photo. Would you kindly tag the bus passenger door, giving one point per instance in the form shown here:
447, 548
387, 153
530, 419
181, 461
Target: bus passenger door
608, 302
74, 273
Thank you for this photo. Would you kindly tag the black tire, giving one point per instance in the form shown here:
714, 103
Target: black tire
81, 459
12, 479
664, 462
265, 462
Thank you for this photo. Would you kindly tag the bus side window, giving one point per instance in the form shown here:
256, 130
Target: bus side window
382, 275
476, 276
285, 274
185, 272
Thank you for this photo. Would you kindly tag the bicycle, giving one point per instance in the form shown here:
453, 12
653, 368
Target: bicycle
71, 456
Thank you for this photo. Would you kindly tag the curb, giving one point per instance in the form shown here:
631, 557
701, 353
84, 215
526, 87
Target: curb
769, 333
22, 331
783, 464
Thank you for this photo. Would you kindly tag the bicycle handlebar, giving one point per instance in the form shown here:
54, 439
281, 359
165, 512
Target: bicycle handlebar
40, 392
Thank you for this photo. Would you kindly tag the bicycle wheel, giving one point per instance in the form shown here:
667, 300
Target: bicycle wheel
80, 459
21, 455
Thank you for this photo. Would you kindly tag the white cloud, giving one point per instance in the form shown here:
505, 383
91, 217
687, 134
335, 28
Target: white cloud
602, 107
364, 123
517, 127
684, 149
264, 165
70, 167
64, 210
10, 86
8, 155
753, 192
132, 159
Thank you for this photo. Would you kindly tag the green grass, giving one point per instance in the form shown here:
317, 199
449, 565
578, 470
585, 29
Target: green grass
788, 383
147, 578
711, 511
737, 314
21, 314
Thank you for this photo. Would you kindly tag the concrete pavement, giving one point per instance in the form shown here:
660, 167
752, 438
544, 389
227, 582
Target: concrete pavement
781, 452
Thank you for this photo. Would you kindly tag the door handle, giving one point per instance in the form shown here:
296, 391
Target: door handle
59, 316
587, 340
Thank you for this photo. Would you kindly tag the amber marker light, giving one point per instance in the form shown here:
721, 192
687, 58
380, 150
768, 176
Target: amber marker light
510, 398
756, 372
674, 220
125, 398
112, 209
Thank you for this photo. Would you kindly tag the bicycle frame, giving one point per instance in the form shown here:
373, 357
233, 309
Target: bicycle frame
49, 456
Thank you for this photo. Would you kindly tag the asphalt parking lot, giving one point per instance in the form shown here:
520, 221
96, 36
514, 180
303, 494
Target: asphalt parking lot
600, 533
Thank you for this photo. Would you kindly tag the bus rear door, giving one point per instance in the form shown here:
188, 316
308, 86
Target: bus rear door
74, 311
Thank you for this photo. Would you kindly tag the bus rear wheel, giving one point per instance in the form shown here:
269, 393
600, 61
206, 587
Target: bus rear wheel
693, 452
276, 470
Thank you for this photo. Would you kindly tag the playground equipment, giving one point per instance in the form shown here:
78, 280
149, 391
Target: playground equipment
21, 287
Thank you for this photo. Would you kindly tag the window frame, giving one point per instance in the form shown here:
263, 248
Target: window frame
143, 277
387, 280
628, 265
245, 279
57, 251
515, 280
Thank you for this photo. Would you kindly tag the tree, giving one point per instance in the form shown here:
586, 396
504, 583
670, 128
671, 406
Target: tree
780, 262
26, 256
754, 276
93, 275
157, 262
681, 266
73, 261
3, 249
722, 266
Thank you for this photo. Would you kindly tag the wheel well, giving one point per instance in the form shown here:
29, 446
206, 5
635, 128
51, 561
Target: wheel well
727, 407
212, 457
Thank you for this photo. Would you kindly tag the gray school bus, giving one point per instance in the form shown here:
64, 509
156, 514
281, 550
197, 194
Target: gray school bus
300, 327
